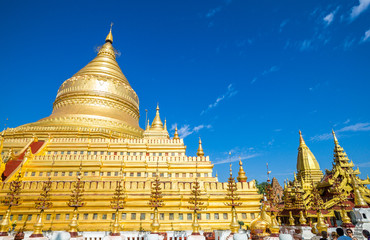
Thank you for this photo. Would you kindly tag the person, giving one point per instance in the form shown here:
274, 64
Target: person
340, 232
334, 236
366, 234
324, 235
350, 234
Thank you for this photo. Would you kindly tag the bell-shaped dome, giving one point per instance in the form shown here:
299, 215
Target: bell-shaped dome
97, 97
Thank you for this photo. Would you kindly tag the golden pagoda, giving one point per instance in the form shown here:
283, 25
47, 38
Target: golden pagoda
95, 124
331, 196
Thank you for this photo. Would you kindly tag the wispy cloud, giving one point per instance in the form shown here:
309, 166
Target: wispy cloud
229, 93
267, 71
213, 11
358, 127
282, 24
366, 36
234, 159
186, 130
305, 45
328, 19
363, 165
360, 8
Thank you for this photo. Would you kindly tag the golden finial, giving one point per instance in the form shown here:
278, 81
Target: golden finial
216, 175
241, 174
176, 135
157, 123
109, 38
335, 138
200, 152
301, 141
231, 170
165, 125
148, 125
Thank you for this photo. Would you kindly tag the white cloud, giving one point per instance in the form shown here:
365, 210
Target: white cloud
268, 71
282, 24
234, 159
229, 93
358, 127
366, 37
328, 19
347, 121
186, 130
306, 45
213, 11
357, 10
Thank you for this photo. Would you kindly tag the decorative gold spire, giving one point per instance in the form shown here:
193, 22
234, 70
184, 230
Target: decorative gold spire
241, 175
109, 38
176, 135
340, 156
165, 125
157, 123
200, 152
307, 166
301, 141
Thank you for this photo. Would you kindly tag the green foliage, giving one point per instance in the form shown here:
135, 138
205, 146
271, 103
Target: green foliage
261, 187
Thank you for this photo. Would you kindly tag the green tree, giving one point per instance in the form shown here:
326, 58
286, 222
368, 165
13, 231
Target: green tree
261, 187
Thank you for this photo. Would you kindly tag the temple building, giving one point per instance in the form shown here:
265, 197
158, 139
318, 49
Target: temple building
337, 195
94, 130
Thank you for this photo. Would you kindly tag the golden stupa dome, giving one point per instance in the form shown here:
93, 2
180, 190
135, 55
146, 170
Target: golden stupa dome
98, 98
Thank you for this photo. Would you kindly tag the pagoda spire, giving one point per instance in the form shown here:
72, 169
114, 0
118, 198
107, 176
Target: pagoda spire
200, 152
307, 166
109, 37
340, 156
157, 123
241, 174
301, 140
176, 135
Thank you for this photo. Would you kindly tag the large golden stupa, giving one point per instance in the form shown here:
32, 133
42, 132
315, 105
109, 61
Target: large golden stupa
94, 128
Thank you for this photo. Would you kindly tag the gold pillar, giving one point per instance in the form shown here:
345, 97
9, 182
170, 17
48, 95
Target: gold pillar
195, 225
234, 226
74, 224
4, 226
37, 227
155, 224
116, 226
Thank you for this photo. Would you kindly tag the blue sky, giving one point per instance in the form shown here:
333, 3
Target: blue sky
243, 75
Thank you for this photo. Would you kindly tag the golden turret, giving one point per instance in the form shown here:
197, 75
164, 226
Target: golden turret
176, 135
157, 129
157, 123
340, 156
200, 152
241, 174
307, 166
